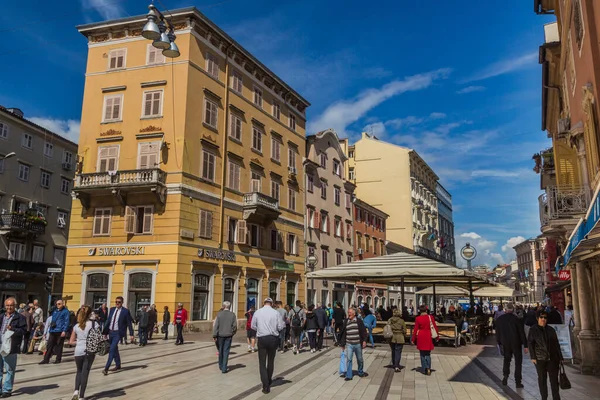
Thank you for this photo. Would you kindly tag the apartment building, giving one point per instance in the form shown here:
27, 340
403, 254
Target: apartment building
445, 225
530, 278
191, 186
37, 168
328, 215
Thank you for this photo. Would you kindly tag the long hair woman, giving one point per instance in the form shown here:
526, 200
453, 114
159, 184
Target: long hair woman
83, 360
423, 338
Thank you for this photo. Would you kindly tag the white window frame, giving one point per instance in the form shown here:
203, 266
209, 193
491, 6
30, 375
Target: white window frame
324, 257
119, 118
134, 229
160, 103
106, 221
205, 224
62, 219
62, 186
323, 160
323, 189
258, 97
257, 134
27, 140
157, 55
212, 65
44, 174
292, 195
155, 145
292, 243
99, 161
291, 157
338, 227
338, 258
214, 110
16, 251
292, 122
234, 168
208, 158
337, 168
67, 157
276, 148
275, 190
237, 81
62, 252
4, 130
112, 54
276, 111
351, 174
255, 182
24, 171
48, 149
40, 250
235, 122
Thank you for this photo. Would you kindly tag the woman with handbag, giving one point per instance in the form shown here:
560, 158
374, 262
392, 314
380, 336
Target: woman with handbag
544, 351
83, 359
397, 340
425, 332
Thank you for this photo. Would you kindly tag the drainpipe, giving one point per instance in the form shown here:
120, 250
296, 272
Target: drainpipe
224, 147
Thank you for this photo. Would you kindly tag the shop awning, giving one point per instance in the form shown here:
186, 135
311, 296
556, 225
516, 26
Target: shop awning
497, 291
558, 286
444, 291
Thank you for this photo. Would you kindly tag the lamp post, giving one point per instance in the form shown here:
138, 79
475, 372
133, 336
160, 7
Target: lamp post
311, 262
468, 253
157, 32
9, 155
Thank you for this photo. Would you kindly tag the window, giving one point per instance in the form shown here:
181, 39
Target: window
251, 293
152, 104
148, 155
23, 172
348, 258
374, 246
292, 158
232, 230
138, 220
348, 201
237, 82
292, 243
351, 154
108, 158
578, 22
324, 256
256, 139
211, 112
292, 122
338, 258
275, 190
338, 227
112, 108
27, 141
275, 149
291, 199
336, 195
208, 165
154, 56
48, 149
102, 220
235, 128
59, 256
16, 251
68, 157
62, 219
273, 290
367, 244
323, 160
241, 231
275, 240
324, 222
310, 183
258, 99
116, 59
255, 235
277, 111
337, 168
206, 221
37, 254
3, 130
65, 185
311, 215
323, 189
212, 65
201, 293
351, 175
255, 182
291, 293
234, 176
45, 181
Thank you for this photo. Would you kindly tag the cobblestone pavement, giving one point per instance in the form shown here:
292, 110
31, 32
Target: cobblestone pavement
162, 370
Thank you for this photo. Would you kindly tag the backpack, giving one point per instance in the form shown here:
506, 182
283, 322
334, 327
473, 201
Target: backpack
387, 331
95, 343
327, 313
296, 321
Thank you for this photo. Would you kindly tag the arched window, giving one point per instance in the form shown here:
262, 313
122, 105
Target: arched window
251, 293
291, 293
359, 300
140, 290
383, 302
229, 291
376, 302
201, 297
392, 301
96, 291
369, 301
274, 290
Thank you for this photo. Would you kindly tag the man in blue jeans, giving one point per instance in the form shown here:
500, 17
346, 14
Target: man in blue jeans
353, 340
118, 321
15, 322
224, 328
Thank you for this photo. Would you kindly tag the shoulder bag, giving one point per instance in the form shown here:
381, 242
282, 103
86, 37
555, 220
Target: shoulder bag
434, 334
388, 333
563, 381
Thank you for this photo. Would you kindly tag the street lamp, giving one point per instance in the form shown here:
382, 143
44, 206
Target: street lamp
311, 262
158, 32
468, 253
11, 154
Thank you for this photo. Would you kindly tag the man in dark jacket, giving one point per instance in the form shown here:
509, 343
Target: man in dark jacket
152, 320
338, 321
321, 315
142, 319
224, 328
15, 322
544, 351
510, 335
28, 315
57, 333
353, 339
554, 317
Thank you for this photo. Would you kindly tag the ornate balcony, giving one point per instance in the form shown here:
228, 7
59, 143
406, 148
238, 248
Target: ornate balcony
119, 183
561, 208
20, 224
422, 251
260, 208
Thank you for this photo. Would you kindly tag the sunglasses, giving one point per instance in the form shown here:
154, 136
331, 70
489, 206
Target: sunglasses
543, 317
118, 302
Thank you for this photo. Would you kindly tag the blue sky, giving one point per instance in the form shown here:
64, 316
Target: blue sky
459, 82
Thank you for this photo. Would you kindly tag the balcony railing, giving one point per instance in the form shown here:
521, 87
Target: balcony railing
560, 202
258, 199
121, 178
260, 208
422, 251
21, 223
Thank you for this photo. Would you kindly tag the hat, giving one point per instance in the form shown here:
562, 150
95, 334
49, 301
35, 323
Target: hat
268, 300
510, 306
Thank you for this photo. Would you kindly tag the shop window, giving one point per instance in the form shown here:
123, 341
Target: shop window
291, 293
96, 292
201, 297
251, 293
140, 290
229, 291
273, 290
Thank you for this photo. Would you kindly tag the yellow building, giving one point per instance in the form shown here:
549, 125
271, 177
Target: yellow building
189, 186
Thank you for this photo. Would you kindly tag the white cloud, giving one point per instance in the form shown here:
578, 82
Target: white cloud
108, 9
69, 129
504, 67
470, 235
343, 113
437, 115
510, 243
377, 129
471, 89
487, 253
398, 123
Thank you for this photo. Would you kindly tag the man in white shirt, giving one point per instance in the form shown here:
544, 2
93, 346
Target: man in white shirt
267, 323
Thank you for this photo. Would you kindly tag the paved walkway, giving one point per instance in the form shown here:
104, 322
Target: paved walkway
162, 370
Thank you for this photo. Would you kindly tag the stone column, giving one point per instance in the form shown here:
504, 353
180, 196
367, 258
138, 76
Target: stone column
589, 340
584, 298
576, 315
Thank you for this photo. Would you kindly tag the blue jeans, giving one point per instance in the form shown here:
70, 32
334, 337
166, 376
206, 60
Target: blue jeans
371, 337
281, 339
143, 335
114, 338
425, 359
9, 363
224, 347
352, 349
396, 354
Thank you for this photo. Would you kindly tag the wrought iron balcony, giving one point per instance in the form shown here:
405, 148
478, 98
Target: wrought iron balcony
422, 251
563, 203
260, 208
119, 183
21, 224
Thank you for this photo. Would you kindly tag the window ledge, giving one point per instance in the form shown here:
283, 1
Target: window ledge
257, 151
152, 117
275, 161
111, 122
210, 127
236, 140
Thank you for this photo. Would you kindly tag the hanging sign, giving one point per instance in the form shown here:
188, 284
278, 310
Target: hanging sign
564, 275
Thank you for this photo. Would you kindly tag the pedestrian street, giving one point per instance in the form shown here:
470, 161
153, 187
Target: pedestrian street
162, 370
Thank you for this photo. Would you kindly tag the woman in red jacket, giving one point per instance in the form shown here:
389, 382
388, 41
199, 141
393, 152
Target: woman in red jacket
423, 339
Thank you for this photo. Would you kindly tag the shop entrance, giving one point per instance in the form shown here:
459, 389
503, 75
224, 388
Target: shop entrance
140, 291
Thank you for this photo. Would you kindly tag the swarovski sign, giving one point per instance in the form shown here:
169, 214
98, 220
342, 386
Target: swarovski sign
118, 251
216, 254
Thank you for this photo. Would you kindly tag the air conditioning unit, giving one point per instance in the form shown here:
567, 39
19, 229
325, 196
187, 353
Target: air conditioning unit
360, 251
66, 166
564, 125
292, 170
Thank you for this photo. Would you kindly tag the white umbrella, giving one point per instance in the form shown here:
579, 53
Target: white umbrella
444, 291
497, 291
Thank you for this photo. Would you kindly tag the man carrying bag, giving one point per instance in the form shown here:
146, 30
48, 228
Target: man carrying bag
12, 329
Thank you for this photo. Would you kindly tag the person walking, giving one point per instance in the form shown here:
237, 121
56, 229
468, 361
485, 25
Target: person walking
28, 315
297, 319
166, 322
554, 317
59, 326
510, 335
530, 320
398, 326
225, 327
143, 321
329, 319
179, 321
312, 326
282, 311
118, 322
83, 359
250, 333
423, 337
339, 316
101, 314
353, 339
267, 323
38, 313
15, 322
544, 351
152, 320
321, 314
370, 323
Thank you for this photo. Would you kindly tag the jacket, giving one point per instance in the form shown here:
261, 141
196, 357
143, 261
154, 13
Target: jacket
321, 315
225, 324
398, 329
152, 317
142, 318
422, 332
554, 317
339, 315
530, 318
101, 314
124, 322
166, 317
543, 344
312, 322
28, 315
183, 316
362, 331
370, 321
18, 325
510, 332
61, 320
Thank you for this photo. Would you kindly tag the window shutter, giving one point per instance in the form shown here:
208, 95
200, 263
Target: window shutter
262, 242
129, 219
279, 241
341, 229
328, 225
256, 185
226, 229
242, 232
286, 243
108, 108
296, 252
147, 104
148, 219
209, 222
144, 150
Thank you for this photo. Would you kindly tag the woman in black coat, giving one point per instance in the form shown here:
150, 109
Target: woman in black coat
544, 351
166, 321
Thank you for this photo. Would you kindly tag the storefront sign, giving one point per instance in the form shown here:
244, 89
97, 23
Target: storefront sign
216, 254
118, 251
12, 285
343, 286
564, 275
283, 266
564, 340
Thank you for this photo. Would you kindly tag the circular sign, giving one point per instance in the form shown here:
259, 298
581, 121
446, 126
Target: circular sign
468, 252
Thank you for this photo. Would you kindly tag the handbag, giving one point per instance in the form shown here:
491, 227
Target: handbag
434, 334
388, 333
563, 380
343, 364
43, 345
6, 343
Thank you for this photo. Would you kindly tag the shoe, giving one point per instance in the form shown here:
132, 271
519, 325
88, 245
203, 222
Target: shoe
396, 369
6, 394
115, 369
364, 374
520, 385
504, 381
347, 379
75, 395
104, 372
57, 362
253, 351
43, 362
266, 390
140, 345
226, 371
428, 371
342, 375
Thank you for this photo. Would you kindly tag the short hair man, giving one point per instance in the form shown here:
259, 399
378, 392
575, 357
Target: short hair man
15, 322
61, 321
224, 328
267, 323
353, 339
118, 322
510, 335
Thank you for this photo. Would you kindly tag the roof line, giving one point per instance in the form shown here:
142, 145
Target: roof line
33, 124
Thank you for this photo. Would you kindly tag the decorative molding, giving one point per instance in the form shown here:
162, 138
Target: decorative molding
157, 135
237, 110
277, 135
114, 89
150, 128
209, 140
257, 122
211, 93
110, 132
153, 83
109, 139
257, 162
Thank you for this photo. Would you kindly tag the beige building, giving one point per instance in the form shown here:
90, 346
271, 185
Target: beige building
329, 224
36, 177
191, 184
530, 277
